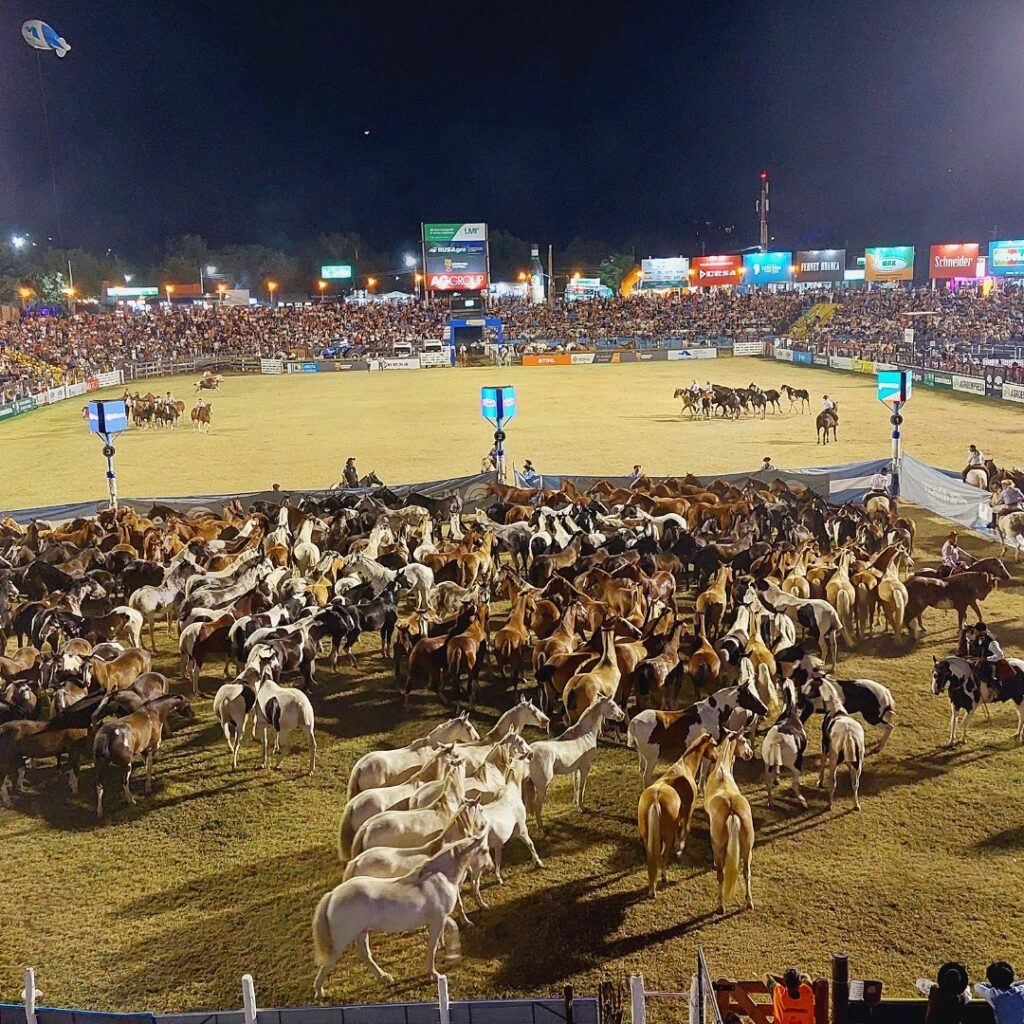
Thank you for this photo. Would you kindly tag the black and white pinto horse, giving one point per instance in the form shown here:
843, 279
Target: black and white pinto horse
958, 678
797, 397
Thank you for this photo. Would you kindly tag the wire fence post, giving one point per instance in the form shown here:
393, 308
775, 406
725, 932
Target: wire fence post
443, 1006
249, 1010
30, 994
637, 1001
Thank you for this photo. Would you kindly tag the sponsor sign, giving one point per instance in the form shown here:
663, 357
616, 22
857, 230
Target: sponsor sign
908, 336
92, 384
748, 348
994, 381
840, 362
692, 353
656, 356
25, 404
714, 271
271, 366
302, 367
804, 358
820, 359
959, 260
121, 292
401, 363
582, 358
767, 267
74, 390
810, 265
862, 366
1006, 258
969, 385
600, 357
7, 411
673, 272
889, 263
894, 386
1013, 393
336, 271
940, 380
442, 358
785, 354
456, 257
498, 404
554, 359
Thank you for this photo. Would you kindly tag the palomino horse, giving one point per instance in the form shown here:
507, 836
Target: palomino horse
201, 414
732, 826
425, 897
977, 477
666, 810
826, 421
796, 396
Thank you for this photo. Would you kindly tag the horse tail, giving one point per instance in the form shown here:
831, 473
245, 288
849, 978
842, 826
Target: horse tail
353, 782
357, 841
731, 870
323, 942
273, 713
345, 835
653, 844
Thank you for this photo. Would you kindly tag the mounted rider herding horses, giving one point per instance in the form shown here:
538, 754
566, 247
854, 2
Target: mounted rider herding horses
975, 460
1010, 500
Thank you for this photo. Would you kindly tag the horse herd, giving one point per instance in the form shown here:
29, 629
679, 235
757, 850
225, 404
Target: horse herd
151, 410
720, 400
699, 619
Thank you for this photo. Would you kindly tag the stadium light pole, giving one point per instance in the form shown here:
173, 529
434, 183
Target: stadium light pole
762, 210
24, 294
272, 287
322, 285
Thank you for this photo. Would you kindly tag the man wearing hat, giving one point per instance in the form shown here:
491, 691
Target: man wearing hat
827, 403
991, 662
350, 475
1010, 500
529, 476
975, 460
946, 995
767, 465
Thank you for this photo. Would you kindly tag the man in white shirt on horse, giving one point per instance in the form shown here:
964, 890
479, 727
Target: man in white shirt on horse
827, 404
975, 460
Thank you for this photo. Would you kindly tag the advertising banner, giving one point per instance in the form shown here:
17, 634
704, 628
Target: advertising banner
74, 390
271, 366
7, 411
673, 272
889, 263
840, 362
958, 260
785, 354
1013, 393
692, 353
748, 348
820, 359
555, 359
400, 363
862, 365
804, 358
456, 257
939, 380
657, 355
92, 384
713, 271
302, 367
336, 271
767, 268
969, 385
994, 381
1006, 258
819, 265
582, 358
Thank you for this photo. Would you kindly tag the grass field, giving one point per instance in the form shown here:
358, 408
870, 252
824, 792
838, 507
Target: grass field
165, 905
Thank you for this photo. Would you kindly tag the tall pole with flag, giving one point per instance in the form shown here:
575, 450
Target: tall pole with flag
107, 419
498, 406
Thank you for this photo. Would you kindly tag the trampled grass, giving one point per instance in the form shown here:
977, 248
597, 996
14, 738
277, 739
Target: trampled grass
165, 905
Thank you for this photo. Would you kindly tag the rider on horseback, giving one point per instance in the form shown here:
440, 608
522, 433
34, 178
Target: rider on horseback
827, 404
991, 665
879, 484
975, 460
953, 556
767, 465
1010, 500
350, 475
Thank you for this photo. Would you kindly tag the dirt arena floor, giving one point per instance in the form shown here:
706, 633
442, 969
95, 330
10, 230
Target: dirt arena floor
298, 430
165, 905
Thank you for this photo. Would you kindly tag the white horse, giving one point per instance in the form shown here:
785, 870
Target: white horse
842, 742
234, 705
505, 817
1010, 528
977, 477
413, 577
572, 752
425, 897
784, 745
285, 710
405, 828
390, 767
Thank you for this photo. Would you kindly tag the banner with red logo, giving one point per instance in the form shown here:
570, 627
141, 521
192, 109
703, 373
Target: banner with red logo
959, 260
714, 271
457, 282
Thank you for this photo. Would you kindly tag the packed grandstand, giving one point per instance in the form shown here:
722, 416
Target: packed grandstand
953, 330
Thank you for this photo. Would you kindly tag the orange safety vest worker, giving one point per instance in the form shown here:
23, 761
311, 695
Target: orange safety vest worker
787, 1010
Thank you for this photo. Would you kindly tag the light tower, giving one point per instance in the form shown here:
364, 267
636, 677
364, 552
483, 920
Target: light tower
762, 210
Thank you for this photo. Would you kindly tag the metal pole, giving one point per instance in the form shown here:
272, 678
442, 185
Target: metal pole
108, 451
499, 452
551, 277
29, 995
249, 1010
637, 1002
897, 449
840, 988
443, 1006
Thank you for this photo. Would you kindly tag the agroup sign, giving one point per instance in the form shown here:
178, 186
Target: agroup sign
715, 271
1006, 258
336, 271
894, 386
498, 404
767, 267
889, 263
670, 272
955, 260
819, 265
455, 257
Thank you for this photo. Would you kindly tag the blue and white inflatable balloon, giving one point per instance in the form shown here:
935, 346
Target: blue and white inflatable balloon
40, 36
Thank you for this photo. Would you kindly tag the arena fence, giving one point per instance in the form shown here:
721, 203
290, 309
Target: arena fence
567, 1010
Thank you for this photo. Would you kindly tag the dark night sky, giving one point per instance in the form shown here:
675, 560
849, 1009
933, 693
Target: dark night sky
881, 122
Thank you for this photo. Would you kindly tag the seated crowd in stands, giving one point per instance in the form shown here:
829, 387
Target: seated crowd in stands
38, 352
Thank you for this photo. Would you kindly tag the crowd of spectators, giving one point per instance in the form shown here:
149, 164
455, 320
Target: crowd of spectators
951, 329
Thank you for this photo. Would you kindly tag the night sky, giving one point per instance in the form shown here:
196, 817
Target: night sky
882, 123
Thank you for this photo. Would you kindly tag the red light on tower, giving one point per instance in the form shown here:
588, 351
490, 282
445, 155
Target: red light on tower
764, 175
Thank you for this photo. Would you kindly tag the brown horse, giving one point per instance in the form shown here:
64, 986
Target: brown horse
826, 421
732, 825
666, 810
201, 415
120, 742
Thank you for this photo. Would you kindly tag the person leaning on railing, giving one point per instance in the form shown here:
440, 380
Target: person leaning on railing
792, 997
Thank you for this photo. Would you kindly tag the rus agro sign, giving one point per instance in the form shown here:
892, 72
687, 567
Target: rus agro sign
336, 272
455, 257
894, 386
498, 404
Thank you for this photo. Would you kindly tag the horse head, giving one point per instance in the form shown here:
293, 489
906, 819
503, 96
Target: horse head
941, 675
